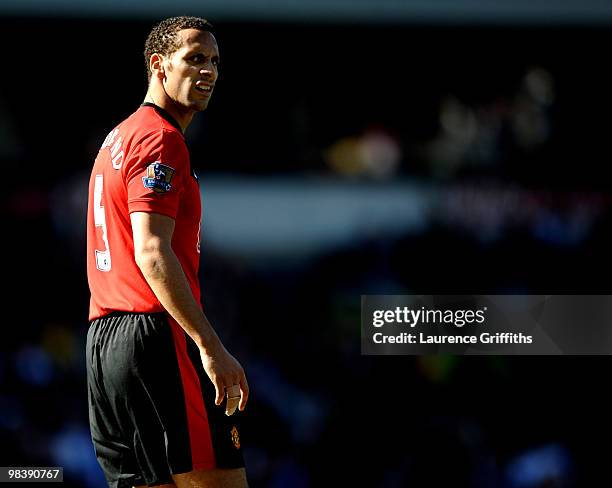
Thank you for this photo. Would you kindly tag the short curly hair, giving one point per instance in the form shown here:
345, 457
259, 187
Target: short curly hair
163, 39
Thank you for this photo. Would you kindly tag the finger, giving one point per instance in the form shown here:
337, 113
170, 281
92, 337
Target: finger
231, 404
232, 391
219, 390
244, 390
233, 397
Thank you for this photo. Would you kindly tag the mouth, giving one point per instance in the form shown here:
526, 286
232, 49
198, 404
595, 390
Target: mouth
204, 88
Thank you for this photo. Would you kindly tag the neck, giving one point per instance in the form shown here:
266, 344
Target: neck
181, 115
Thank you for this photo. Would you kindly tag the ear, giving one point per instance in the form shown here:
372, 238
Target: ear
156, 65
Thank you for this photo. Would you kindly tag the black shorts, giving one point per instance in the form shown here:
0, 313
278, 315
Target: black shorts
152, 407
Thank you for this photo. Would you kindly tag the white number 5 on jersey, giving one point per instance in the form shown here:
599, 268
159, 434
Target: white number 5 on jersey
103, 258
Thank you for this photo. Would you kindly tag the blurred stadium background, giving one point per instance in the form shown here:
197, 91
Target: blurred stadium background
350, 148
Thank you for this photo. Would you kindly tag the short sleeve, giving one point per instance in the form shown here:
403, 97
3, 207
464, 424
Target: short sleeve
156, 173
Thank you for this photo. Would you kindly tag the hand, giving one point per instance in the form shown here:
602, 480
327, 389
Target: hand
228, 378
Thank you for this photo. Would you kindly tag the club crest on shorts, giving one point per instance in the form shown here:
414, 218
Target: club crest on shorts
158, 177
235, 437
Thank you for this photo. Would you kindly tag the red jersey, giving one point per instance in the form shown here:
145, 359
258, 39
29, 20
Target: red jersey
142, 166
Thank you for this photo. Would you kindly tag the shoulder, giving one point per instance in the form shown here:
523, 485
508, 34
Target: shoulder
151, 127
164, 141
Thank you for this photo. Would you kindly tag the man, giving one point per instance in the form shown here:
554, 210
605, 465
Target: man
157, 372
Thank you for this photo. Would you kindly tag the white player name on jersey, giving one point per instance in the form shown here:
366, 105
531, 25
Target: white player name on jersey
116, 151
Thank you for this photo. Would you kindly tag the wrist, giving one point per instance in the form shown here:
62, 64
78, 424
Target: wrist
209, 345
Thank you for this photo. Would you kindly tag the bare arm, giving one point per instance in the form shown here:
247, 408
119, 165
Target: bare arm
162, 270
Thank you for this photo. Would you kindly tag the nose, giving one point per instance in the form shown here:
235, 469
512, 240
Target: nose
209, 69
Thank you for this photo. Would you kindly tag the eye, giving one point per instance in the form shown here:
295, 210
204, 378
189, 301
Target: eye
197, 58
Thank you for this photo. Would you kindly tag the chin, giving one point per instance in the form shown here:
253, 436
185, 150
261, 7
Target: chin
199, 106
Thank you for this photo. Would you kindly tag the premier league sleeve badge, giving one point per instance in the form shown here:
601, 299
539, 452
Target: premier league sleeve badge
158, 177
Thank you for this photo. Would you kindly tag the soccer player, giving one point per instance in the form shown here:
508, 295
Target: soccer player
157, 372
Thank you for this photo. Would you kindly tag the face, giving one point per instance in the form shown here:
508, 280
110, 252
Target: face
190, 73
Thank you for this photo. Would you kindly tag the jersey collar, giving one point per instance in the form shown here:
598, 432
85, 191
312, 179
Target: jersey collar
164, 114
